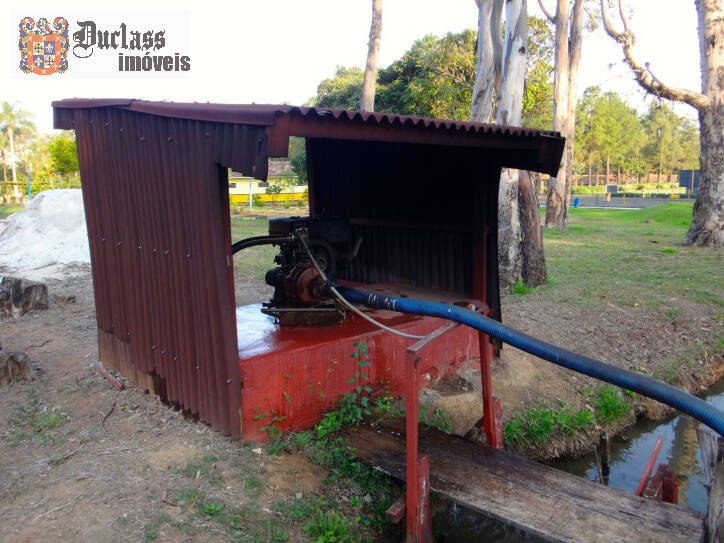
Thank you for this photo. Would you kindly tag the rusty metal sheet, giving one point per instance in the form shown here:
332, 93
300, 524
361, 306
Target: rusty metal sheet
522, 148
154, 194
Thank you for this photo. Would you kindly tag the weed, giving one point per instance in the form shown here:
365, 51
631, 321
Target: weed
204, 468
609, 406
521, 288
354, 405
152, 529
540, 424
212, 508
189, 497
669, 250
385, 407
513, 431
674, 313
329, 527
437, 419
34, 421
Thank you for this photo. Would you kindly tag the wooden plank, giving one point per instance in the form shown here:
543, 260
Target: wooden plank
535, 498
712, 455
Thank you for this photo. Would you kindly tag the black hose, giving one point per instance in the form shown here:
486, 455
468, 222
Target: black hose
687, 403
257, 240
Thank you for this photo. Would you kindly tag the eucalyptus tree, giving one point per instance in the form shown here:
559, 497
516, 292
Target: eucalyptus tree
367, 97
707, 226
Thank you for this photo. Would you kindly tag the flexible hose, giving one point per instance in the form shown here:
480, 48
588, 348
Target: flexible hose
257, 240
687, 403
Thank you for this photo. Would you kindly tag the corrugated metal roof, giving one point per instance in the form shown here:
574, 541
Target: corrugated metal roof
540, 150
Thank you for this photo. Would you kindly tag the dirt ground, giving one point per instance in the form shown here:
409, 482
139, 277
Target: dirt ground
81, 461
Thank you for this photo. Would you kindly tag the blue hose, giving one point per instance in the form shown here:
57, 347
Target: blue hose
676, 398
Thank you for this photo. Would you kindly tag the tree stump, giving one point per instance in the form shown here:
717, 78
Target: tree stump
18, 296
14, 367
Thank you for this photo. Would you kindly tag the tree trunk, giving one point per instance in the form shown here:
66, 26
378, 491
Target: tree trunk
11, 137
608, 169
590, 182
367, 99
707, 226
556, 212
489, 57
532, 255
512, 83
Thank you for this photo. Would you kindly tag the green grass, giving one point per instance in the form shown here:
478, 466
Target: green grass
33, 420
542, 423
254, 261
435, 418
625, 257
9, 209
610, 406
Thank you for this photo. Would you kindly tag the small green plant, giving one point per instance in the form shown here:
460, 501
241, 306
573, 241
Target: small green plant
329, 527
354, 405
189, 497
257, 201
669, 250
152, 529
521, 288
609, 406
205, 468
540, 424
436, 418
212, 508
513, 432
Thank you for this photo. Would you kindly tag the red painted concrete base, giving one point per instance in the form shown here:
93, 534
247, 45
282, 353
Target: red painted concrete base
291, 375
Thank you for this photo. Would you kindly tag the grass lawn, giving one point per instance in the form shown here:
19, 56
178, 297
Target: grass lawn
631, 257
9, 209
254, 261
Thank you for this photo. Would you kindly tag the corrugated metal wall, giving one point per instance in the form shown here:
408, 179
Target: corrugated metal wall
156, 200
408, 236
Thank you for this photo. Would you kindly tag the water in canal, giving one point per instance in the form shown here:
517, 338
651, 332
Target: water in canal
631, 451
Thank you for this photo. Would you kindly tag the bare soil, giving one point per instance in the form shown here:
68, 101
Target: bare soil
82, 461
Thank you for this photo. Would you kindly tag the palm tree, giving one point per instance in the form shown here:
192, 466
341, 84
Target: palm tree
14, 123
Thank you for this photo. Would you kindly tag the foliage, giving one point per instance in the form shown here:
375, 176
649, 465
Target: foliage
541, 424
341, 91
63, 155
435, 418
329, 527
610, 131
298, 156
609, 406
434, 78
354, 405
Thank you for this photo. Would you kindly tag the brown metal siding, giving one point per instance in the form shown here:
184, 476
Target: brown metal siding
156, 206
421, 211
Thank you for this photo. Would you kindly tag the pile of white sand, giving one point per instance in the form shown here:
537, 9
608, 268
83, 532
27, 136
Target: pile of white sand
47, 236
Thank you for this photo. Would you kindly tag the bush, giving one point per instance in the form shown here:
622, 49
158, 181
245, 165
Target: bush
257, 201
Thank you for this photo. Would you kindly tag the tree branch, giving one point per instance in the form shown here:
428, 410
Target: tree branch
547, 13
642, 73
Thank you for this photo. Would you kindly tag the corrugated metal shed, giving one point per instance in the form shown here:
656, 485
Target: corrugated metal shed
154, 178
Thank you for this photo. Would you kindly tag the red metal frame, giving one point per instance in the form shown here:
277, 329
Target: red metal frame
417, 500
649, 467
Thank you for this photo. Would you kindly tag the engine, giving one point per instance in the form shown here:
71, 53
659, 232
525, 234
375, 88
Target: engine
301, 295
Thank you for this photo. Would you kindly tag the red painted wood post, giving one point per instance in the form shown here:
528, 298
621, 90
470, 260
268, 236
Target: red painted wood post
423, 522
493, 431
671, 484
411, 420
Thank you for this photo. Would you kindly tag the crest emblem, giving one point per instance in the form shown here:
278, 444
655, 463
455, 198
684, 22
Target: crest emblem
43, 50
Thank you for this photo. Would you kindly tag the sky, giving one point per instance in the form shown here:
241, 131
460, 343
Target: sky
275, 51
